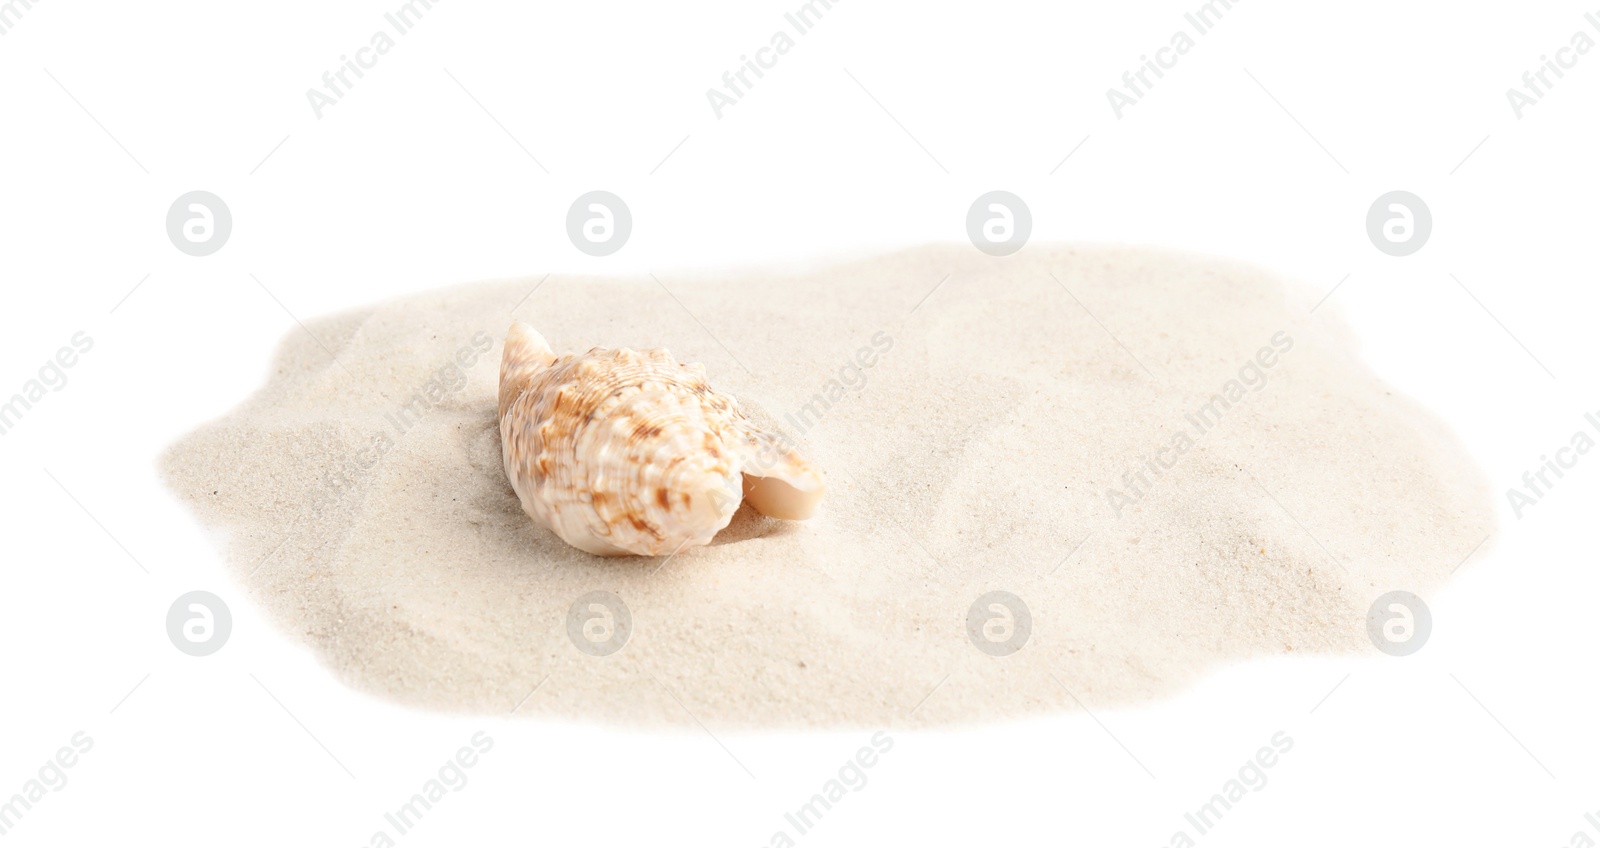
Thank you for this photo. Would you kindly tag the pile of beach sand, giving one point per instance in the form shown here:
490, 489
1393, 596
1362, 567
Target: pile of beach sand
1169, 462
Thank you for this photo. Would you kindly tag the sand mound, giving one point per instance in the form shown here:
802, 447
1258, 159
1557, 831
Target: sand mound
1166, 459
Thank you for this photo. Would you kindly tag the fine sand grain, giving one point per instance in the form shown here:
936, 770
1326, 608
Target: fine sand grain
1042, 424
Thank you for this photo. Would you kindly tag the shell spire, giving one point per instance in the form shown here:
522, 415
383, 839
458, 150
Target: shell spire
526, 354
631, 452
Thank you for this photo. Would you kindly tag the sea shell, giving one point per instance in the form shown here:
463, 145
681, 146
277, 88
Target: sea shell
630, 452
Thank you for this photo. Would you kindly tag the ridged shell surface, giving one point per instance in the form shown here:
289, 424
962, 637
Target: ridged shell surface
631, 452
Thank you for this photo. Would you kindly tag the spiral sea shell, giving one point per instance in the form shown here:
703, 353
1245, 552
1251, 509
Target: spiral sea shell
631, 452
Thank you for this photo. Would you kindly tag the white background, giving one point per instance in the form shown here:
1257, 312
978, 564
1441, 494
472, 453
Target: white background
1485, 737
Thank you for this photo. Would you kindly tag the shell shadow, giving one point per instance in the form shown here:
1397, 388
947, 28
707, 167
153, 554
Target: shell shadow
749, 524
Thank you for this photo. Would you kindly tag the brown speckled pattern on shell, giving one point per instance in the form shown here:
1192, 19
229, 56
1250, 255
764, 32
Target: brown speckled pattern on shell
627, 452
